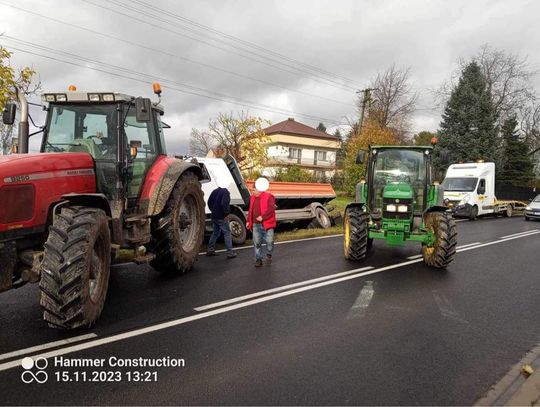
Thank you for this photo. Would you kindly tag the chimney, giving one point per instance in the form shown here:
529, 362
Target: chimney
291, 119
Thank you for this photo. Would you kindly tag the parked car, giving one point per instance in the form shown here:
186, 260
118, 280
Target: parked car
532, 211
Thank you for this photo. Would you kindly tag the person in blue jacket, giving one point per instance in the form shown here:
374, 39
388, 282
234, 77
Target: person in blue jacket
219, 203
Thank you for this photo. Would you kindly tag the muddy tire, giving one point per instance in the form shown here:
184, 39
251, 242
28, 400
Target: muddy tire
355, 230
75, 268
321, 220
178, 231
443, 227
238, 229
474, 213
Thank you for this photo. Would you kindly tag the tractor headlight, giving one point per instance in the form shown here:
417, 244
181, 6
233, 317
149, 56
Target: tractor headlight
61, 98
108, 97
49, 98
391, 208
402, 208
93, 97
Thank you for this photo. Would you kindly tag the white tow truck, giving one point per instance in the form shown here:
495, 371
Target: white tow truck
469, 191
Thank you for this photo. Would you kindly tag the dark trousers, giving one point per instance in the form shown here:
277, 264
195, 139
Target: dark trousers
220, 226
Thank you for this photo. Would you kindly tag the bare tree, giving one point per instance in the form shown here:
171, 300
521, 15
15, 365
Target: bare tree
509, 78
200, 143
392, 100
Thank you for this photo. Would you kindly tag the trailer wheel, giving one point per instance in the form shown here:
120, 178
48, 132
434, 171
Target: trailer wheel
76, 267
321, 219
443, 226
179, 230
508, 212
238, 229
356, 240
474, 213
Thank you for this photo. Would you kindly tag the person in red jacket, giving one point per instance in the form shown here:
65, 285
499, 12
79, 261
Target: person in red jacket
262, 220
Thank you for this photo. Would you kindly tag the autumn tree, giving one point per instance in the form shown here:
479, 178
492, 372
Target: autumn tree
11, 79
392, 100
423, 138
239, 135
372, 134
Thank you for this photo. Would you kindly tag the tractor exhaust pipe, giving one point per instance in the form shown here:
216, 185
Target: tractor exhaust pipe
23, 124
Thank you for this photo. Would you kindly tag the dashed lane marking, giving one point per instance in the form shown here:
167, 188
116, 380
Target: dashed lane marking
217, 311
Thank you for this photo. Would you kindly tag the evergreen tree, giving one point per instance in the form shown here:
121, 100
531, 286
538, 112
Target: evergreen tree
468, 130
321, 127
517, 168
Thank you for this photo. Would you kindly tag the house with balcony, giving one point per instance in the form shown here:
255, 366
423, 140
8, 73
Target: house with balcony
294, 143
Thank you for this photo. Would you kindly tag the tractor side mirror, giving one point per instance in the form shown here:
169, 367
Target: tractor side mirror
8, 114
143, 109
361, 157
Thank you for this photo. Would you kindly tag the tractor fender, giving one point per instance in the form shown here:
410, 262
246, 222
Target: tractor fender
160, 181
355, 205
436, 208
99, 201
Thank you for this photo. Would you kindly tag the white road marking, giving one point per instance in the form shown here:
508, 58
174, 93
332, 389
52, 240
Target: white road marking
360, 306
520, 233
278, 243
446, 308
417, 256
277, 289
46, 346
164, 325
496, 241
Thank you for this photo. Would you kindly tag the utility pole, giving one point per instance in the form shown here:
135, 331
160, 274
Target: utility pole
365, 101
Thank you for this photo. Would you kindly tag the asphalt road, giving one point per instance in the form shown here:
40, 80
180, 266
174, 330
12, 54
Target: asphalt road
384, 331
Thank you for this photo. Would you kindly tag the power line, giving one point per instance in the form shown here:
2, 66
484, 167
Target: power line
95, 32
219, 97
313, 77
242, 41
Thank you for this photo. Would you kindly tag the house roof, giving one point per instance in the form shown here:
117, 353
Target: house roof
294, 128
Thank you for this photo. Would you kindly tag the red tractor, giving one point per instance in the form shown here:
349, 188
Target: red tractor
101, 183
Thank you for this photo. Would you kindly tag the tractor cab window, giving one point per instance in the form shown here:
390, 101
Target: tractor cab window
405, 170
142, 134
82, 128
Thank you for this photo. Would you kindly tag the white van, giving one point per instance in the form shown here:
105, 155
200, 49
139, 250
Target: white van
469, 190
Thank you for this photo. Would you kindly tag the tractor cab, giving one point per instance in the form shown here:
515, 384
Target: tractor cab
398, 202
113, 128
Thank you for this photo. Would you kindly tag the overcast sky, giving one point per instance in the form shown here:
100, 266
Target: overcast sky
267, 69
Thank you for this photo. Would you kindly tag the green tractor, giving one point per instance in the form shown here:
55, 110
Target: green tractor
399, 203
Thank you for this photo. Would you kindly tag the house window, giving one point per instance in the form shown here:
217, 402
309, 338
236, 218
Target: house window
295, 154
320, 155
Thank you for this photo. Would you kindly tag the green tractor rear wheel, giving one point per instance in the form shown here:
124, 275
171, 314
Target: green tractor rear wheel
356, 242
442, 252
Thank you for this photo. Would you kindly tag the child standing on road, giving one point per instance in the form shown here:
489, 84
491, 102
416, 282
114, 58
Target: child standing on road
262, 220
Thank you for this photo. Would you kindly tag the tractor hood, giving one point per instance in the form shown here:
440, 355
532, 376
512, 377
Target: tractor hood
398, 190
25, 167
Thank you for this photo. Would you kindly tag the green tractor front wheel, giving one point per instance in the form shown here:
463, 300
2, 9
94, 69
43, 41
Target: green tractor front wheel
356, 241
442, 251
